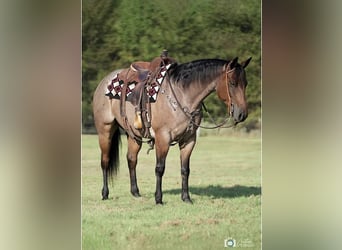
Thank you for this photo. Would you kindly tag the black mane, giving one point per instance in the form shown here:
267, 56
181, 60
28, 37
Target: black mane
204, 69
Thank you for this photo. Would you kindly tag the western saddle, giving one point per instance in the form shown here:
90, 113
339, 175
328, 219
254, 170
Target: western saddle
143, 74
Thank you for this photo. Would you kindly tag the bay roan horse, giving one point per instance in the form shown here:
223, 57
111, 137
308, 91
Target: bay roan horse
175, 117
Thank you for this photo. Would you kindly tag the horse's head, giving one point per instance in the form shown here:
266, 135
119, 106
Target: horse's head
231, 89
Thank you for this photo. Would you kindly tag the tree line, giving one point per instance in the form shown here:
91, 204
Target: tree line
117, 32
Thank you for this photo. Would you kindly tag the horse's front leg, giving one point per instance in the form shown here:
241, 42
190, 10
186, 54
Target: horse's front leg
162, 148
185, 152
132, 159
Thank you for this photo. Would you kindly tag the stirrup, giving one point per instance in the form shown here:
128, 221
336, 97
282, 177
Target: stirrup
137, 120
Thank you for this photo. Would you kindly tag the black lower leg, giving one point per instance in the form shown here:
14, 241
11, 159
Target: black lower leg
134, 186
105, 190
185, 171
132, 163
159, 175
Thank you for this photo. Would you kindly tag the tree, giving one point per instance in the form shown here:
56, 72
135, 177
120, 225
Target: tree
115, 33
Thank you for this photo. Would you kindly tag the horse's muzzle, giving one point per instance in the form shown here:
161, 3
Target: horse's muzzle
239, 114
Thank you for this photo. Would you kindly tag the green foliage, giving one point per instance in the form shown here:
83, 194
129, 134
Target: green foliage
115, 33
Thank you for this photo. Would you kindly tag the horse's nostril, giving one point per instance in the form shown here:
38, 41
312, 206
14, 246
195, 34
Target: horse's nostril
242, 116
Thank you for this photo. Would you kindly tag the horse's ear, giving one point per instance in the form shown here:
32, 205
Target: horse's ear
232, 63
245, 63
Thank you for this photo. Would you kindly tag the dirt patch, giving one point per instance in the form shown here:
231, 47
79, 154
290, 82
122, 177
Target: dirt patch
207, 221
173, 223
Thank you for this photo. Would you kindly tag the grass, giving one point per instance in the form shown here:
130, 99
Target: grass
224, 186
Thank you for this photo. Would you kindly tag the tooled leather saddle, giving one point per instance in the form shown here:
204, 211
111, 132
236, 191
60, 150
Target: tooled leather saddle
139, 85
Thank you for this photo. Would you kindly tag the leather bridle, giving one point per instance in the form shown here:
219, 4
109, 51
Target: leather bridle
192, 115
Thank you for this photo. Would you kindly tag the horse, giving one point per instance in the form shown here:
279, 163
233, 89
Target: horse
175, 116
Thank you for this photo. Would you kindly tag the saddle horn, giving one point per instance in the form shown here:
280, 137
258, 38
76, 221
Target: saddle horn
164, 54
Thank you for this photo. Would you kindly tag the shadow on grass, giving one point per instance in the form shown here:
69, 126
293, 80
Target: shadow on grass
218, 191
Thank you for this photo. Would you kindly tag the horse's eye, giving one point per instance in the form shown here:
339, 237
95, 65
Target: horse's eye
233, 83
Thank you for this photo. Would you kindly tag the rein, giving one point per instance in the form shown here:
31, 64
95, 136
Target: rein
211, 118
191, 115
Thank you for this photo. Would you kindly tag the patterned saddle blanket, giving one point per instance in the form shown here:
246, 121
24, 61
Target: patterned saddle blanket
115, 86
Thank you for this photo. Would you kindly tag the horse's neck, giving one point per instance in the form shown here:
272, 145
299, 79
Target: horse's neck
192, 96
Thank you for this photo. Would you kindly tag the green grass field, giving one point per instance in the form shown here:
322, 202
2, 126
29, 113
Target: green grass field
225, 186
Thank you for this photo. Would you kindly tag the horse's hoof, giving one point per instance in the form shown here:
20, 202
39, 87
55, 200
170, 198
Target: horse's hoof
188, 200
105, 194
136, 195
159, 203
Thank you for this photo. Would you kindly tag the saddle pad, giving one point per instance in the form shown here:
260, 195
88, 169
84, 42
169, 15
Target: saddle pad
114, 87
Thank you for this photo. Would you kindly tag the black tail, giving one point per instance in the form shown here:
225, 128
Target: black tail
113, 164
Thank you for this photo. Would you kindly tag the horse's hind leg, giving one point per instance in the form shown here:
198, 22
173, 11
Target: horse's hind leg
185, 152
109, 140
104, 141
132, 159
